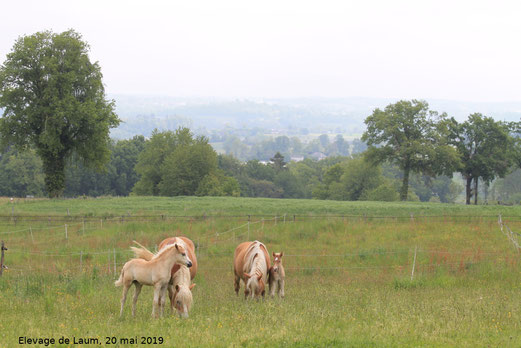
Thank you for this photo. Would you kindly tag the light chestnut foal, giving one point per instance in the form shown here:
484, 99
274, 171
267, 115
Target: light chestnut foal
154, 272
277, 275
180, 286
251, 264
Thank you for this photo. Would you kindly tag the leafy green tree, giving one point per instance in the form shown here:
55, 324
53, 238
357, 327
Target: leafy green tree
151, 159
21, 174
185, 168
124, 157
278, 162
385, 192
54, 100
217, 184
256, 170
350, 180
484, 146
408, 134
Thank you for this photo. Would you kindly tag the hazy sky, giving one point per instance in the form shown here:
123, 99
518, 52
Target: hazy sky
458, 50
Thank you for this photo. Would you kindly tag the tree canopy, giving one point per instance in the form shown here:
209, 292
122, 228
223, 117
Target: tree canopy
485, 148
410, 135
54, 101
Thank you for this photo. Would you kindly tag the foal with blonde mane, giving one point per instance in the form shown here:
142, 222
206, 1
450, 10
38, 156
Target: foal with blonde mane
154, 272
180, 287
251, 264
277, 275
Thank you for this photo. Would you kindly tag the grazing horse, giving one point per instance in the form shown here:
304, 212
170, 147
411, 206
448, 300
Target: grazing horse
181, 276
277, 275
251, 264
155, 272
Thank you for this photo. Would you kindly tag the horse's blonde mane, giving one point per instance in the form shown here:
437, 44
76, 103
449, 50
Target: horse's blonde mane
161, 252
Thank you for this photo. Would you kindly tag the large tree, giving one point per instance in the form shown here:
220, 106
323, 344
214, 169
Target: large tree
54, 100
485, 148
410, 135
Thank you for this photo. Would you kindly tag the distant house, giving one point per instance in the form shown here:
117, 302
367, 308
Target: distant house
296, 159
318, 156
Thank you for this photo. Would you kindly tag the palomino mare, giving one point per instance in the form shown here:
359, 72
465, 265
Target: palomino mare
181, 297
155, 272
251, 264
277, 275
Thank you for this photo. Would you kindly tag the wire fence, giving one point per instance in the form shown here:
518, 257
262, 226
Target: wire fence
112, 259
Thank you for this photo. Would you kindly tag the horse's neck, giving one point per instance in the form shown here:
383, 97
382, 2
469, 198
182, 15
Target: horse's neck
167, 258
182, 276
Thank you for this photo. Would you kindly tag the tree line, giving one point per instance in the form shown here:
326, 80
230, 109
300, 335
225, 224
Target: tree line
55, 134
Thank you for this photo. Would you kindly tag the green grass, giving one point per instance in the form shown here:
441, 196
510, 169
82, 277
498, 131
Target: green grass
348, 279
215, 206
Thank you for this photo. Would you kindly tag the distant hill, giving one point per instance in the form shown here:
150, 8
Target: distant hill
298, 116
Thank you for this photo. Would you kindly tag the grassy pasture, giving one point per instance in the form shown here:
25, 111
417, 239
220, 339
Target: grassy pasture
348, 278
215, 206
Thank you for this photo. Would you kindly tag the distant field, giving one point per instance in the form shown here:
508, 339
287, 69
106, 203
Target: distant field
348, 277
226, 206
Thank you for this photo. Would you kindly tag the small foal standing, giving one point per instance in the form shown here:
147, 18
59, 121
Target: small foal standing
277, 275
155, 272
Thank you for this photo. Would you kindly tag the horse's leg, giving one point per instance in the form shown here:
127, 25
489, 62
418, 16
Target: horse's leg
124, 297
272, 283
134, 300
171, 295
237, 284
246, 291
162, 299
155, 303
281, 288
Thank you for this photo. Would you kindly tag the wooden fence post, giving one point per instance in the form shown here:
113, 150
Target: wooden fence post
2, 259
414, 263
66, 236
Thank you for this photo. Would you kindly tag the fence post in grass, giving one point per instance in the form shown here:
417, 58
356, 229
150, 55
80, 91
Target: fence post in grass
83, 225
66, 236
284, 219
2, 258
101, 223
293, 217
114, 262
414, 262
31, 230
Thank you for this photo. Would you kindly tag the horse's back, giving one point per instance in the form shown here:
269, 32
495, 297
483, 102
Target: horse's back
190, 249
242, 253
239, 258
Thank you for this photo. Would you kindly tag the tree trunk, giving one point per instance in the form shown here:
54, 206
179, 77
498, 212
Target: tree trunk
468, 189
54, 170
476, 180
405, 184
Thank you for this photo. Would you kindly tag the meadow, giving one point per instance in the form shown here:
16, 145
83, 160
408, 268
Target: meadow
349, 269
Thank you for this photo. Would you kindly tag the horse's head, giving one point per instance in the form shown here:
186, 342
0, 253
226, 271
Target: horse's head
277, 262
183, 300
254, 285
182, 256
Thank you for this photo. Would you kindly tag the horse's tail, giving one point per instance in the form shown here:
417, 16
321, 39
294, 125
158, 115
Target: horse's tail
119, 282
142, 252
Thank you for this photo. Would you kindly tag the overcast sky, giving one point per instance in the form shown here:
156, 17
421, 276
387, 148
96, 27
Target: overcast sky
457, 50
